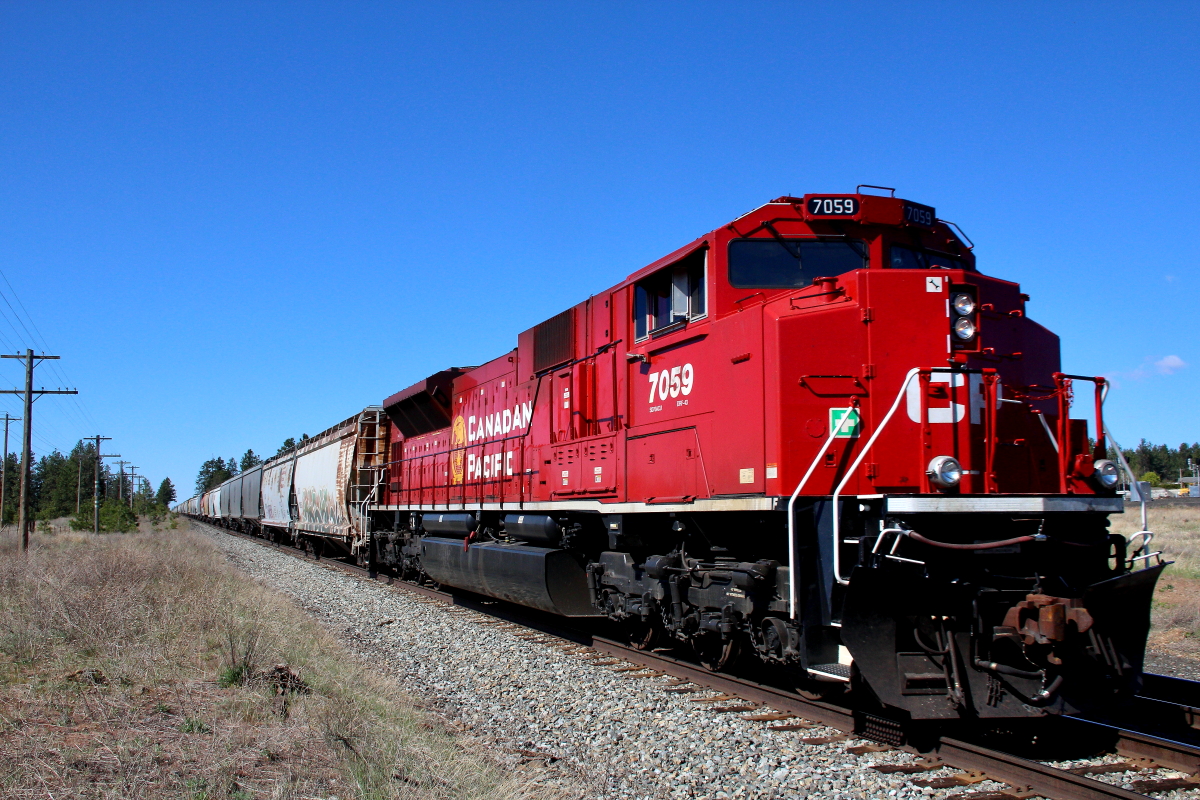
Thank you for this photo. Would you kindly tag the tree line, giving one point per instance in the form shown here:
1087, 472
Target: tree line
64, 485
217, 470
1163, 462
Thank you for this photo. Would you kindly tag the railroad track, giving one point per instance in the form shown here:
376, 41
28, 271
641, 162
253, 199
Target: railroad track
1170, 740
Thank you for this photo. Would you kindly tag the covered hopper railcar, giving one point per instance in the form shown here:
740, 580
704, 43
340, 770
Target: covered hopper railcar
817, 436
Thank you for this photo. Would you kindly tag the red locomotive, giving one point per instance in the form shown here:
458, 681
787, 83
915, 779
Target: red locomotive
816, 436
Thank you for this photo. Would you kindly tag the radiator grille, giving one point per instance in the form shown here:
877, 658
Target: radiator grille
554, 341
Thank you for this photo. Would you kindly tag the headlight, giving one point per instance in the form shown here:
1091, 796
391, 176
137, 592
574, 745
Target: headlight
963, 304
944, 471
964, 328
1107, 474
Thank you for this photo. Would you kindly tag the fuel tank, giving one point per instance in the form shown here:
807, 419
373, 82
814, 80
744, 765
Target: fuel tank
538, 577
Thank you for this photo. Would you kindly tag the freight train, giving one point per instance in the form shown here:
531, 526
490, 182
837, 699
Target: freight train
817, 437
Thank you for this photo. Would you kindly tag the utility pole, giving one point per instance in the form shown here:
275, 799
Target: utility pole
131, 485
4, 465
27, 449
96, 496
121, 481
79, 481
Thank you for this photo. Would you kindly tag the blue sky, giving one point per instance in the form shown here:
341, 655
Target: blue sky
239, 222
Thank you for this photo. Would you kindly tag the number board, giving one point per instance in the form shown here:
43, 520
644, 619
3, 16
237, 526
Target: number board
831, 206
917, 214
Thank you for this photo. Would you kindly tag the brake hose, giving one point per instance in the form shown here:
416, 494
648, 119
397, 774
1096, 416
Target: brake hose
977, 546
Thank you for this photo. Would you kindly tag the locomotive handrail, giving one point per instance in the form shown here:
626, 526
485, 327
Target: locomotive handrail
970, 244
837, 517
1147, 537
601, 350
858, 189
1046, 427
792, 502
1063, 389
1146, 557
1132, 480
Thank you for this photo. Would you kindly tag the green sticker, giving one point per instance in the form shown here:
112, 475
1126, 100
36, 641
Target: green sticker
851, 428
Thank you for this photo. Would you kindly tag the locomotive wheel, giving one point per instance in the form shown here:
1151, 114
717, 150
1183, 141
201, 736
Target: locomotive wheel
716, 656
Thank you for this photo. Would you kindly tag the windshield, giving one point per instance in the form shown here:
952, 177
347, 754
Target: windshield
905, 258
791, 263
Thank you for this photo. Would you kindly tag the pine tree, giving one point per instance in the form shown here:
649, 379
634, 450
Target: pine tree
250, 460
166, 492
212, 473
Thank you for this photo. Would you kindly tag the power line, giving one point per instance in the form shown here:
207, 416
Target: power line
39, 434
30, 362
55, 368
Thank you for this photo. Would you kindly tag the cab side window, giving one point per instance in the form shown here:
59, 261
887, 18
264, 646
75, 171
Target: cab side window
673, 294
778, 263
905, 258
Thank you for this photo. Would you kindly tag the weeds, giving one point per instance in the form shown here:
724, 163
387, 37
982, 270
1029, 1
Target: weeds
116, 652
193, 725
241, 650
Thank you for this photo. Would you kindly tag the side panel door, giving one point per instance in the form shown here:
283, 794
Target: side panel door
666, 467
734, 457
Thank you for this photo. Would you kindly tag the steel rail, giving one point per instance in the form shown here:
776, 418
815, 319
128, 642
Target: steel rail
1162, 724
1029, 778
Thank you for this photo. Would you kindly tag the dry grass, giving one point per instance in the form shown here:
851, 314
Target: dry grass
133, 666
1176, 613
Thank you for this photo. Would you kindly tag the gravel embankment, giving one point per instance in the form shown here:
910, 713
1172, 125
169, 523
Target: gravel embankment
618, 736
1170, 664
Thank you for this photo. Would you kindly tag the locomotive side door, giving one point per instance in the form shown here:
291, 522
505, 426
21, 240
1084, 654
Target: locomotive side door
583, 408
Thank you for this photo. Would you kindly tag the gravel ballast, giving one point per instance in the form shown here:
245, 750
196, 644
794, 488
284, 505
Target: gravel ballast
574, 723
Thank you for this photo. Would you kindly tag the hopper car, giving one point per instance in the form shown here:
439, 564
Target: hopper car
819, 437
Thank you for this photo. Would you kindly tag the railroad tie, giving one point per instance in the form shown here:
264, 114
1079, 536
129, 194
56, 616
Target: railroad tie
950, 781
1164, 784
794, 726
716, 699
863, 749
771, 716
924, 765
837, 737
1104, 769
732, 709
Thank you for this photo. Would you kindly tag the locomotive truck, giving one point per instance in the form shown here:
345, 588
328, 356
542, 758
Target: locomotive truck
817, 437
